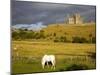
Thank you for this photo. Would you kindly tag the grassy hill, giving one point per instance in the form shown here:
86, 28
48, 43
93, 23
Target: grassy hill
60, 33
69, 31
26, 58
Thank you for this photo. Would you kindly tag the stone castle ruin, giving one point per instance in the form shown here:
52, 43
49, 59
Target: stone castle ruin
75, 19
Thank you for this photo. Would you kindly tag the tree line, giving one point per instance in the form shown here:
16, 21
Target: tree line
29, 34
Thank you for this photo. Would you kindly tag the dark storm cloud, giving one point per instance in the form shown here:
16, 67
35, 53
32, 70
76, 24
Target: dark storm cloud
34, 12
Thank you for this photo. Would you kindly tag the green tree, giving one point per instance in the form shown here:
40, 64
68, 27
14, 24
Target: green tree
41, 34
79, 40
15, 35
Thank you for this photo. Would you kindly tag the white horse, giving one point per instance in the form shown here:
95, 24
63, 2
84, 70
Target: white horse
48, 60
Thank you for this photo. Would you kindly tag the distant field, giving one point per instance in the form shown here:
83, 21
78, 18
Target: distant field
27, 57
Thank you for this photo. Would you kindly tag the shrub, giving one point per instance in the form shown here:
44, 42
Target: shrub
76, 67
23, 34
54, 34
93, 40
56, 40
41, 34
79, 40
15, 35
92, 55
61, 39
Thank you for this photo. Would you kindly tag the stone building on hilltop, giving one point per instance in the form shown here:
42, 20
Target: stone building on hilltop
75, 19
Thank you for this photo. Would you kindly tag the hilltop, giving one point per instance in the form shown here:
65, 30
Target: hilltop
69, 31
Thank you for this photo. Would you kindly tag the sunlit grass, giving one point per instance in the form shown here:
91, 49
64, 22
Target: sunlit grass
66, 54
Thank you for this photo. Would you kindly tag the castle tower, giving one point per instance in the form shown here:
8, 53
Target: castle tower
75, 19
78, 19
71, 20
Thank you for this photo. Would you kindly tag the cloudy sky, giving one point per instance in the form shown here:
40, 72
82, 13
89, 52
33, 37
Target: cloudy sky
24, 12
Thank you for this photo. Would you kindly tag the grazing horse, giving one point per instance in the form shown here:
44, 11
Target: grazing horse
48, 60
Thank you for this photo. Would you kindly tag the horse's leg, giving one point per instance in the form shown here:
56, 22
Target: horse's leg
48, 64
54, 65
43, 66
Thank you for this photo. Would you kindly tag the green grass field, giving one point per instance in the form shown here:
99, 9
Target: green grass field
27, 57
